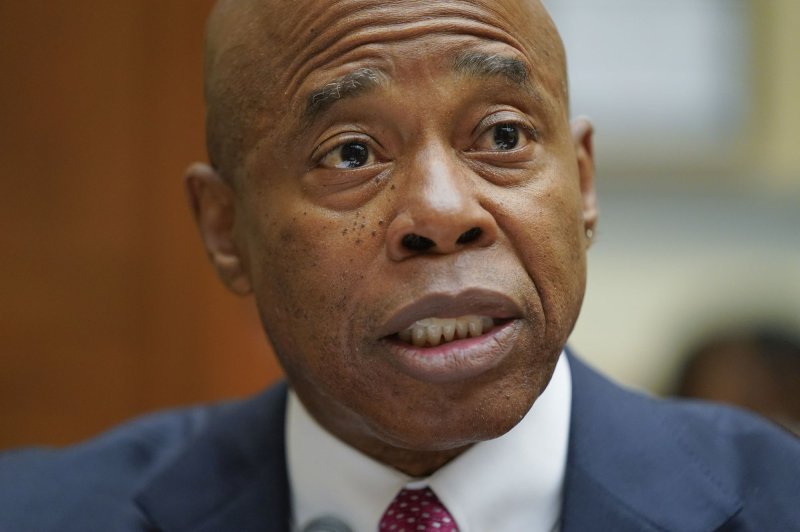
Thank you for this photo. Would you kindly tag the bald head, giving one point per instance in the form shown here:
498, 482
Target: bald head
258, 51
236, 73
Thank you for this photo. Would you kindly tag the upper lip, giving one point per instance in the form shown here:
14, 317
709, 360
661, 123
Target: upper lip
473, 301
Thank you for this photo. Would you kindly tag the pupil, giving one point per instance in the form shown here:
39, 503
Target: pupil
506, 136
354, 155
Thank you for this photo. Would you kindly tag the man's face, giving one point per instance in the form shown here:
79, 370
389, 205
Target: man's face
410, 212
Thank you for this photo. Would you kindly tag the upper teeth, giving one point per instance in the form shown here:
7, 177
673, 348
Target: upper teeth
433, 331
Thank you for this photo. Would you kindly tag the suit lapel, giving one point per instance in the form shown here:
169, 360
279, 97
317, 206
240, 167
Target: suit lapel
629, 468
232, 477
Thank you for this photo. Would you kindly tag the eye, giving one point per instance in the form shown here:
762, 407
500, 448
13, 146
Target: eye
502, 137
348, 155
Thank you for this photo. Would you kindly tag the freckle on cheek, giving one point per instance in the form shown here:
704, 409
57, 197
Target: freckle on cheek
286, 235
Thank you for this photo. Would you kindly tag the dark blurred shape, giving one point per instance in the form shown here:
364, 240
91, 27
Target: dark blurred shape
757, 369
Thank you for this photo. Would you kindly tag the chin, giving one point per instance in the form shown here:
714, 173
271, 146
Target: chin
454, 428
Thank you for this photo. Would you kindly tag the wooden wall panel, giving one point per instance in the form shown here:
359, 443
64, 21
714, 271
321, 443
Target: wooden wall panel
107, 304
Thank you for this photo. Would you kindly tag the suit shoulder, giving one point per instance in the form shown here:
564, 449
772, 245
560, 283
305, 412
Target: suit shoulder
749, 459
655, 456
52, 489
745, 449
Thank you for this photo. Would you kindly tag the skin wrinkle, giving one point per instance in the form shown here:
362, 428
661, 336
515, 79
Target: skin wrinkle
390, 34
377, 21
430, 20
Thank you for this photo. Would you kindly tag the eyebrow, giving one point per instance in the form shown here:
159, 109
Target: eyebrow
349, 85
495, 65
365, 79
490, 65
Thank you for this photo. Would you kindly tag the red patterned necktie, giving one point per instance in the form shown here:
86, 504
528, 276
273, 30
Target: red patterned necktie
417, 510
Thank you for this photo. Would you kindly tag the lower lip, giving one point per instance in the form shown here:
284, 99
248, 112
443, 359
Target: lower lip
455, 361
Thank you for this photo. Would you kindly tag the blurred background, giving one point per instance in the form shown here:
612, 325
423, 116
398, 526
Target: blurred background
108, 307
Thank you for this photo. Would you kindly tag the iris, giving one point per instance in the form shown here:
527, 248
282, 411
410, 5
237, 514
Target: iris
506, 136
353, 155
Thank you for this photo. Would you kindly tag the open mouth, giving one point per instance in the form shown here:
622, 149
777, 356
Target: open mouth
432, 332
452, 336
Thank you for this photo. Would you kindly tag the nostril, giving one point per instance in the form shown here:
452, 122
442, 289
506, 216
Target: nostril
415, 242
470, 235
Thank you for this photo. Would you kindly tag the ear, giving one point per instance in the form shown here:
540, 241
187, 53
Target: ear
582, 137
213, 204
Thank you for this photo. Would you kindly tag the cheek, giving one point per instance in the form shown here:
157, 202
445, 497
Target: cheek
545, 224
306, 269
562, 280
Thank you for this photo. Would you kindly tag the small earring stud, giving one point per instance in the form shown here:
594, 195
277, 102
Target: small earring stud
589, 233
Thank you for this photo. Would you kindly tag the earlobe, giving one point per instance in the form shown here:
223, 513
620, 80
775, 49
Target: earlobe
582, 136
213, 205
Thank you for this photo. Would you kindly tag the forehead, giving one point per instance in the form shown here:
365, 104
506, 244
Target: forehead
340, 32
265, 57
283, 43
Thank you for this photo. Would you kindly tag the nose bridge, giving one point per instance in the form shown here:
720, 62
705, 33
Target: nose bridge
438, 188
442, 211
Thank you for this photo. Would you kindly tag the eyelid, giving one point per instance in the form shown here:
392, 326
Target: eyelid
338, 140
506, 117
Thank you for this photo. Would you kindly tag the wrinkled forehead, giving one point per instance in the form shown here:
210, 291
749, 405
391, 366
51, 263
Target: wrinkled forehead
261, 53
283, 42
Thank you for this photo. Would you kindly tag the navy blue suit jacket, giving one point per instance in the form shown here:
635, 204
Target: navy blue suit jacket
635, 464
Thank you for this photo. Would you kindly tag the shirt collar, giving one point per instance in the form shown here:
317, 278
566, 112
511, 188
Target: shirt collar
511, 483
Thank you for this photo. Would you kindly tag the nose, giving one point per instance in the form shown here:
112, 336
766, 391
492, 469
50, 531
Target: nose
441, 211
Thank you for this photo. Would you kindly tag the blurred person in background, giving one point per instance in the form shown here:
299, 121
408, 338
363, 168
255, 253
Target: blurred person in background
757, 368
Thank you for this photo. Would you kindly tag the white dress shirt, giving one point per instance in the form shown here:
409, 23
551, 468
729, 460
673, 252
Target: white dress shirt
513, 483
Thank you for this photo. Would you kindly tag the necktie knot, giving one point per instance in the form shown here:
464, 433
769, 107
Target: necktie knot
417, 510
